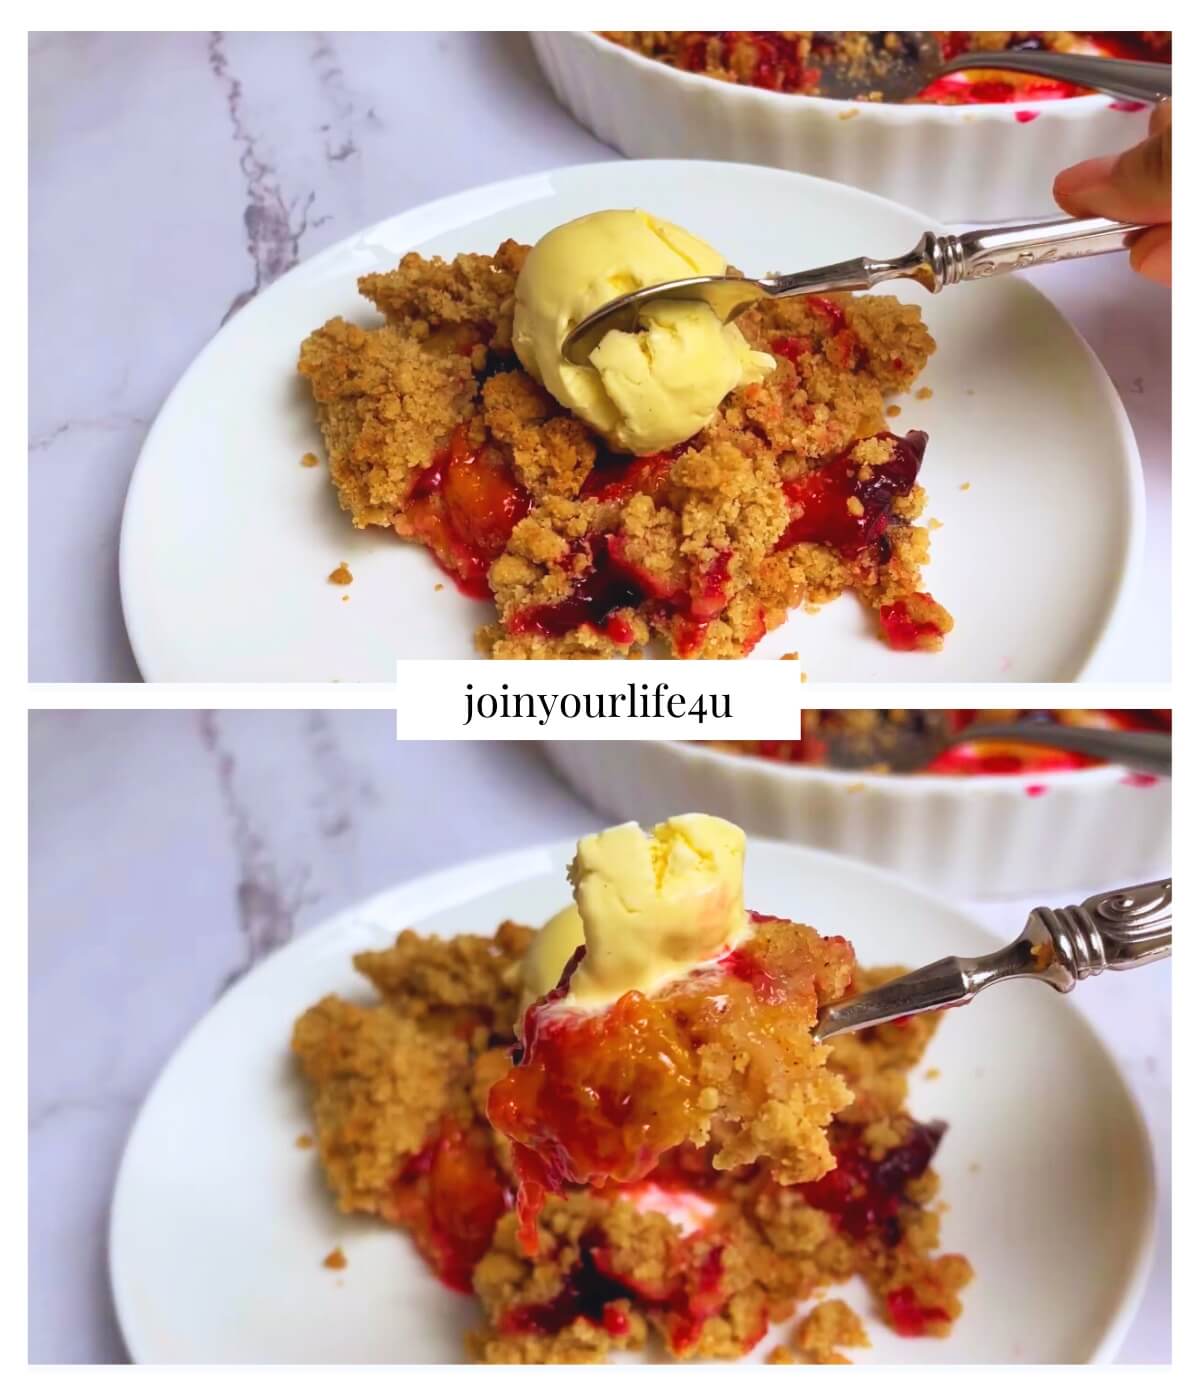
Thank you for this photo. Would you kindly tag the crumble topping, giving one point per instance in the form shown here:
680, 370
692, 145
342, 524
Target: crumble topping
432, 429
699, 1257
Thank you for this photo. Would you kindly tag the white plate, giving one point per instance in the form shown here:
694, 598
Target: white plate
227, 542
220, 1223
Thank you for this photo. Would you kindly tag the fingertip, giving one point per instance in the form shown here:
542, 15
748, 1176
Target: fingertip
1072, 185
1150, 256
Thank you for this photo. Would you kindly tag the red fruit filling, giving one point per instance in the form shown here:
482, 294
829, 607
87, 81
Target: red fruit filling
904, 632
833, 507
912, 1318
464, 507
450, 1195
588, 1292
614, 582
594, 1289
622, 478
864, 1195
601, 1095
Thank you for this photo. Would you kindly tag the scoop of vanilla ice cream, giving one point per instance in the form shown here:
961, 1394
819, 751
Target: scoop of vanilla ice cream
548, 954
645, 390
655, 904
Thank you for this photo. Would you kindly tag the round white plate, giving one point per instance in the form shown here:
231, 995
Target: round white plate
220, 1223
227, 541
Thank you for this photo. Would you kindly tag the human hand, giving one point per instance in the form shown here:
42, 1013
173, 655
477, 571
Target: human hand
1134, 187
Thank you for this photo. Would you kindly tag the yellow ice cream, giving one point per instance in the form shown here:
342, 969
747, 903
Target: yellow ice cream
645, 390
549, 953
654, 904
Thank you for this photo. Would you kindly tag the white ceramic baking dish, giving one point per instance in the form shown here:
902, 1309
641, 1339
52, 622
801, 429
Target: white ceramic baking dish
984, 837
977, 163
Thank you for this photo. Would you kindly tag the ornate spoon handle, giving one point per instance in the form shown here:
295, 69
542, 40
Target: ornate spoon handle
986, 252
945, 259
1107, 933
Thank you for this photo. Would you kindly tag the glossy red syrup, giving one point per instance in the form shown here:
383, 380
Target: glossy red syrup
791, 347
450, 1195
820, 501
693, 1291
607, 587
587, 1292
464, 507
747, 968
614, 582
902, 631
622, 478
909, 1317
864, 1196
834, 314
597, 1097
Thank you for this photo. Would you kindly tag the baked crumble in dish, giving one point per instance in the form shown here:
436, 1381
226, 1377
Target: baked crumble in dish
725, 1219
783, 60
795, 493
971, 758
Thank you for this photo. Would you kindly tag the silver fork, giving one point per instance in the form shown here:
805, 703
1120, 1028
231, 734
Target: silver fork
903, 746
1110, 932
939, 260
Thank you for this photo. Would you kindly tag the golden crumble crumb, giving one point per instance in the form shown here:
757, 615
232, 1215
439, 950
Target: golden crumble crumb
856, 787
893, 410
790, 656
437, 587
341, 575
304, 1141
804, 675
965, 486
345, 597
933, 1073
828, 1327
335, 1259
934, 523
780, 1356
924, 392
310, 459
847, 114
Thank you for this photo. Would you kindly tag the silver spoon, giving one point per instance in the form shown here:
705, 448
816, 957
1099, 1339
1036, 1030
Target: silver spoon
939, 260
1108, 933
900, 64
906, 746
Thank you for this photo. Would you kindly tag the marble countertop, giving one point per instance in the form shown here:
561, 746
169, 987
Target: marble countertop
171, 851
173, 176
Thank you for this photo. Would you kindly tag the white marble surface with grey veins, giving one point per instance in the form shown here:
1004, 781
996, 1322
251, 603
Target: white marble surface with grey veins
171, 851
173, 176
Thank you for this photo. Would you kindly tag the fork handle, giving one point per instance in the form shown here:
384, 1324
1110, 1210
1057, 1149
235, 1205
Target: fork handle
1109, 932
